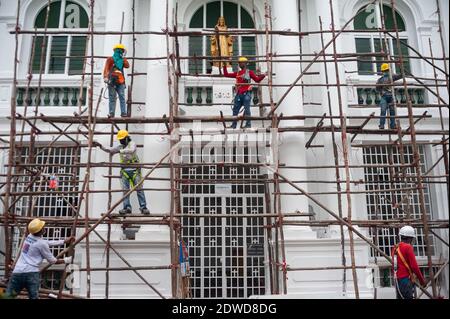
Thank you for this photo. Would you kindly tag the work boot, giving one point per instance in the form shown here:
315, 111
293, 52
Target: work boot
145, 211
125, 211
110, 116
248, 125
381, 127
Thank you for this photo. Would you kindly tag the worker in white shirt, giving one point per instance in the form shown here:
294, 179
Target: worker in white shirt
34, 250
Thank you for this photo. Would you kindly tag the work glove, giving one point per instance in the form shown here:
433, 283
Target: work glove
68, 260
69, 240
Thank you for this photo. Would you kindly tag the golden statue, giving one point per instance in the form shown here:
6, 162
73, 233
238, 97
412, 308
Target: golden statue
222, 45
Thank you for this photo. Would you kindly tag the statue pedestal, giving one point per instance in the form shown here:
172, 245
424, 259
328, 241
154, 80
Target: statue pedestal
222, 93
215, 70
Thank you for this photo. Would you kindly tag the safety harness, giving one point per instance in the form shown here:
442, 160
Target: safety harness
137, 172
114, 74
246, 78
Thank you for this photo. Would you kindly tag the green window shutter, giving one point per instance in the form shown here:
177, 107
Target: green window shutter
366, 20
78, 48
195, 48
53, 17
389, 19
405, 53
363, 46
57, 55
246, 20
75, 16
38, 52
197, 19
212, 14
380, 46
208, 52
230, 13
248, 50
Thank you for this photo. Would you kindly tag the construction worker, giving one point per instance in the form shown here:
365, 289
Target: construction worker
405, 265
131, 176
113, 75
387, 100
34, 250
243, 89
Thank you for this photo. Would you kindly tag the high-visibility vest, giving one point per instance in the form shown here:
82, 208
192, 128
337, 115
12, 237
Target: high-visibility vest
133, 160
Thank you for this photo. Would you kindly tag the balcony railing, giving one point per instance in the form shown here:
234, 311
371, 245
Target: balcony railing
51, 96
370, 96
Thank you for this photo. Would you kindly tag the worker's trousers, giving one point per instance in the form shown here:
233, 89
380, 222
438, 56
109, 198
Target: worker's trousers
386, 104
130, 178
405, 288
28, 280
113, 90
239, 101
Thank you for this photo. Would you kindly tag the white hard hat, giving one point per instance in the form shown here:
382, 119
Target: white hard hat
407, 231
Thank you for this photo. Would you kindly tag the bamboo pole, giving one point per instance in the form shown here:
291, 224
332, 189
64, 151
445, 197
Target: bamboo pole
417, 159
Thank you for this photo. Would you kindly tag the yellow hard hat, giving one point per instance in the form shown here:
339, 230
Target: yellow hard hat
35, 226
243, 59
384, 67
122, 134
119, 46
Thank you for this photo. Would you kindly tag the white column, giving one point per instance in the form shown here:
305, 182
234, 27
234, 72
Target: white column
157, 104
113, 23
321, 10
292, 148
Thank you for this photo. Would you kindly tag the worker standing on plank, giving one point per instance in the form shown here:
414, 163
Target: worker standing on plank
34, 250
243, 89
387, 99
131, 176
405, 265
114, 76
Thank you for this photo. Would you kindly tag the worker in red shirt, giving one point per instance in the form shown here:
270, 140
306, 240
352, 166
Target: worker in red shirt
243, 89
405, 265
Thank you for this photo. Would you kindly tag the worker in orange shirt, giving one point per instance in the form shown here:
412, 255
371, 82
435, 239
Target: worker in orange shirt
114, 76
405, 265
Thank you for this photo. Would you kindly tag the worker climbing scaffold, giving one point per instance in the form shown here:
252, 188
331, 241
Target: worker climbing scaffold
243, 89
33, 252
113, 76
130, 175
405, 265
387, 96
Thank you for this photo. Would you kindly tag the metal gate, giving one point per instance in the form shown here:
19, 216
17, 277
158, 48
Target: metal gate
227, 252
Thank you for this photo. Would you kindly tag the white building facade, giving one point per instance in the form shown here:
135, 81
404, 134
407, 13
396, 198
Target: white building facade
230, 256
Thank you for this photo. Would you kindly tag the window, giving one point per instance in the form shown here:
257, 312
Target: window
226, 252
380, 205
206, 17
50, 204
386, 278
371, 43
46, 203
63, 14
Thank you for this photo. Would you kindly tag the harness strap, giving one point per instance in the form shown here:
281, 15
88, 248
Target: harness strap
402, 258
131, 179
